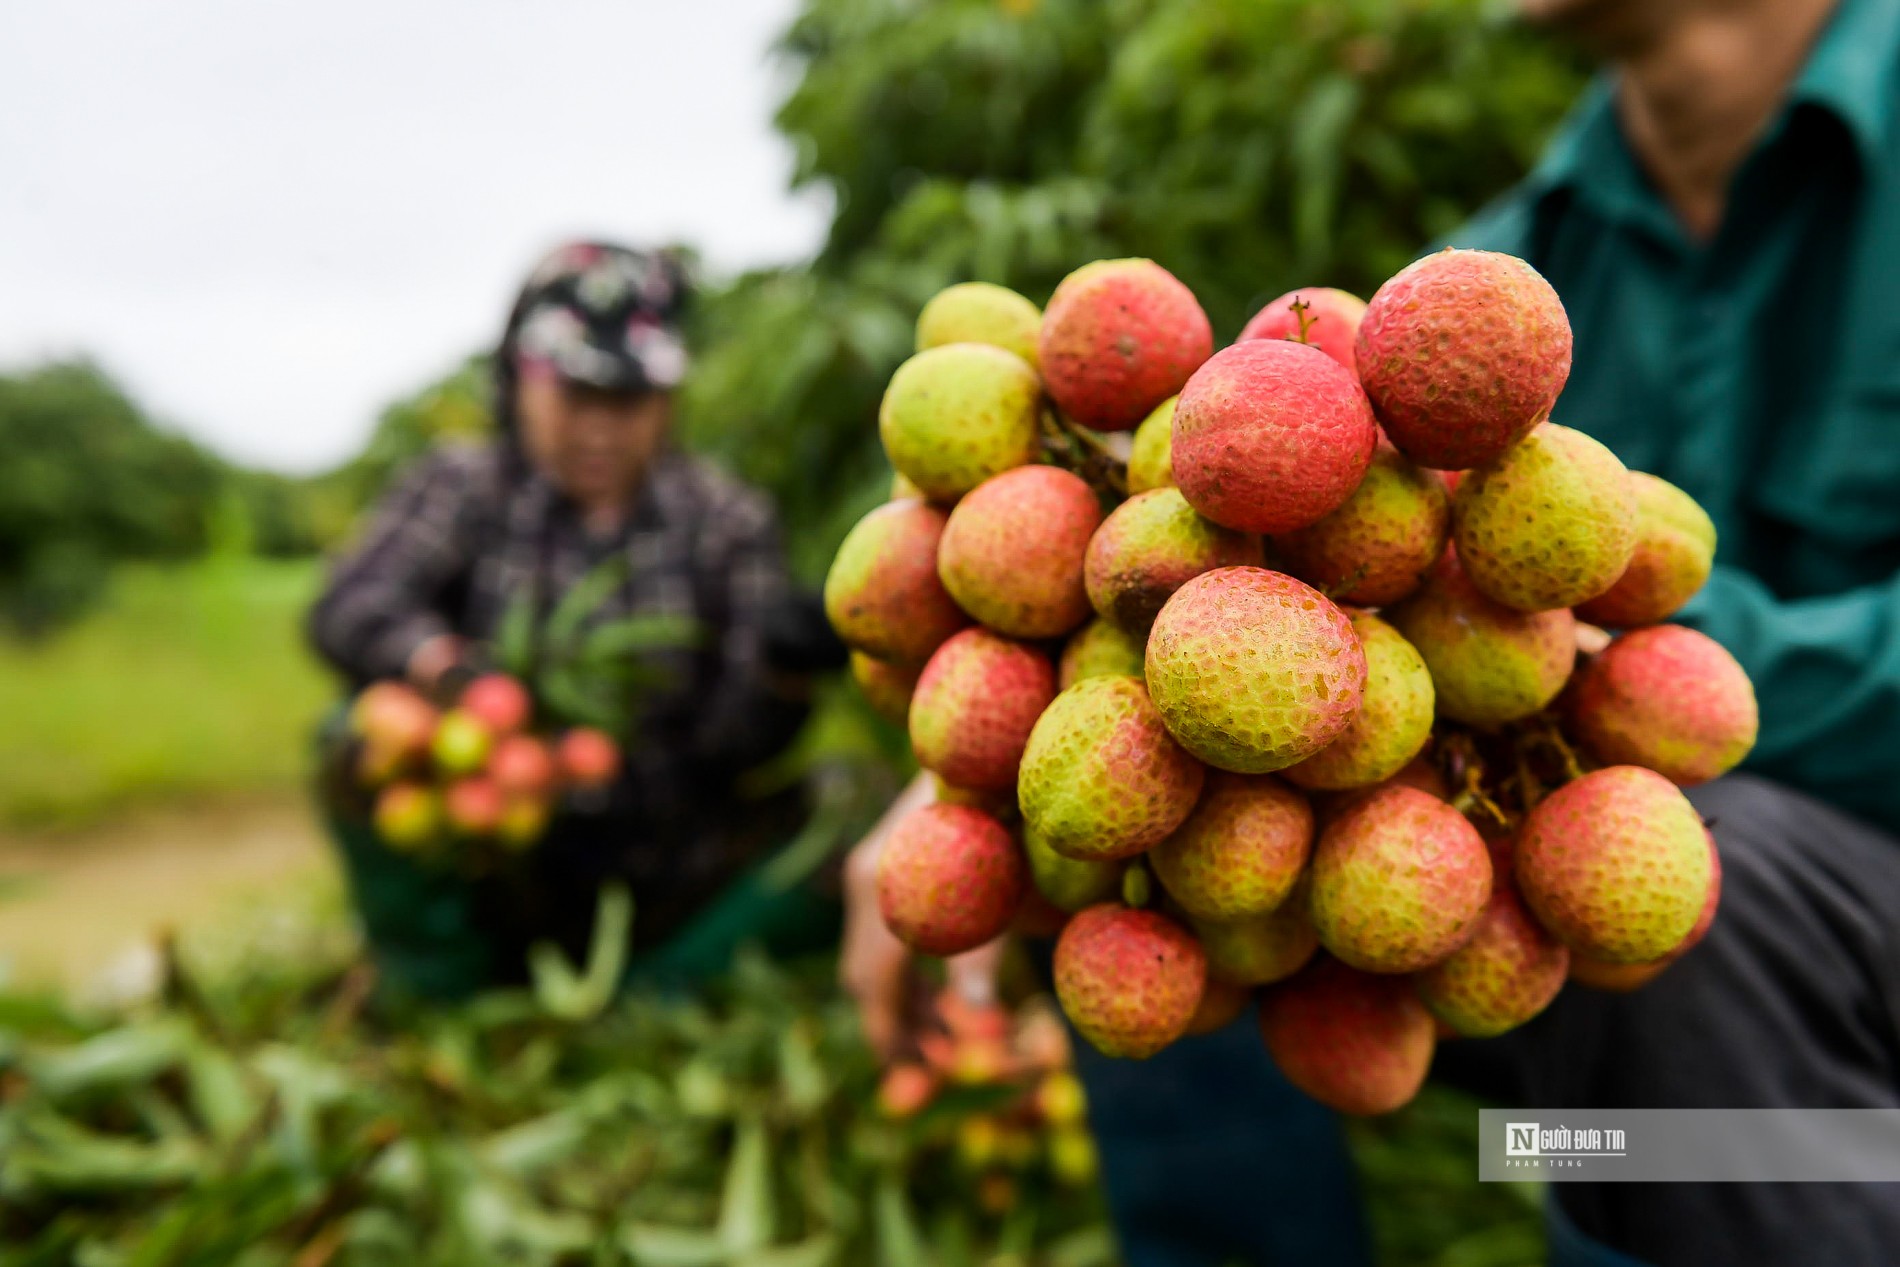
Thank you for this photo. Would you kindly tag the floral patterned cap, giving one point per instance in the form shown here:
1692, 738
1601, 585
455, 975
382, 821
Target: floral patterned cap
604, 316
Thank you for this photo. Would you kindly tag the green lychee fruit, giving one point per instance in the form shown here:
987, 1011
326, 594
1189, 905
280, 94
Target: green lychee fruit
1380, 543
886, 687
1355, 1042
1393, 723
1675, 551
1240, 851
462, 743
1399, 881
1071, 884
1150, 459
1668, 698
901, 488
408, 816
953, 416
1150, 546
1616, 864
1129, 981
1261, 949
1099, 649
1222, 1002
1621, 978
1271, 436
1254, 671
1120, 337
1507, 973
980, 312
1101, 778
1490, 664
949, 878
974, 706
1327, 319
1012, 552
882, 593
1462, 353
1550, 523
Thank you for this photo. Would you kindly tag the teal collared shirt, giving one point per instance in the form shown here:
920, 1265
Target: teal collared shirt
1760, 371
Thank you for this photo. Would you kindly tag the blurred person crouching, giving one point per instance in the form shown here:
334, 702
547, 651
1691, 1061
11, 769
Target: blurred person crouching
582, 489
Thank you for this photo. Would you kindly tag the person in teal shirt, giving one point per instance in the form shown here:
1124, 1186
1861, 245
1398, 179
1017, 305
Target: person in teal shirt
1721, 217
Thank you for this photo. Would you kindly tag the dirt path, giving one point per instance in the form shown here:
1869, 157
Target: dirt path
74, 905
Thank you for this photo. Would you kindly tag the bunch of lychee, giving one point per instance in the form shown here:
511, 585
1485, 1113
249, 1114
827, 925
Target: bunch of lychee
1284, 700
1028, 1104
478, 777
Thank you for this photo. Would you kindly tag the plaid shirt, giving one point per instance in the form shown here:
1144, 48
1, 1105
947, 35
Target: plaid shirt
468, 530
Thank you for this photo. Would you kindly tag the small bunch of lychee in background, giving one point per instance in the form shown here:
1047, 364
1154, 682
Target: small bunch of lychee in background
478, 778
994, 1091
1279, 699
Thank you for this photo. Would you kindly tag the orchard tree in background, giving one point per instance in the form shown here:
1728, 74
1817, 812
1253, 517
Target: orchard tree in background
1250, 146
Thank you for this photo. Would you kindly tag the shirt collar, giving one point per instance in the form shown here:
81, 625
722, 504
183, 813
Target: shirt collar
1850, 74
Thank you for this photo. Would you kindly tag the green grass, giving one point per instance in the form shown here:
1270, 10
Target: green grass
188, 682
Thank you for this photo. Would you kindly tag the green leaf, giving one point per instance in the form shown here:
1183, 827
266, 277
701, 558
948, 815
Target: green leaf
653, 1246
746, 1219
899, 1242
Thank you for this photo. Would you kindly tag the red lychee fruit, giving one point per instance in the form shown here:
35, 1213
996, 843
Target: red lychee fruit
1675, 551
1356, 1042
1621, 978
500, 701
906, 1090
1150, 546
1222, 1002
1271, 436
1327, 319
588, 757
1507, 973
1462, 353
1119, 337
1668, 698
1377, 547
1490, 664
1240, 851
474, 806
949, 878
1254, 671
393, 719
1012, 552
974, 706
883, 594
1128, 980
1399, 882
521, 765
1616, 864
1393, 723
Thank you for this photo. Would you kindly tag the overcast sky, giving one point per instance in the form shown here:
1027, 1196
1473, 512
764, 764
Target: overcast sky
269, 219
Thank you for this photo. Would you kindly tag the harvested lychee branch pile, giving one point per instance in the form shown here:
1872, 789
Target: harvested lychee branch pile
1289, 707
476, 782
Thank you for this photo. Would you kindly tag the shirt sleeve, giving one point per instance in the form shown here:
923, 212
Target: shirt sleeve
1827, 676
382, 598
747, 717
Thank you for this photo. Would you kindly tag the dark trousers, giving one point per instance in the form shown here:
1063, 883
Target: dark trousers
1792, 1001
1210, 1157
